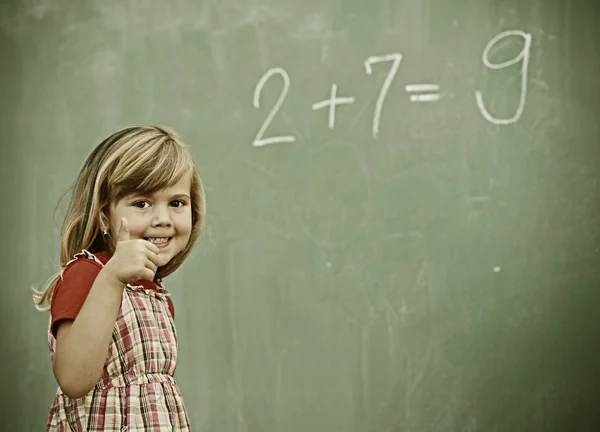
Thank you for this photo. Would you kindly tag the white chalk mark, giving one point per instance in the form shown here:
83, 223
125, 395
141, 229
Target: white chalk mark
271, 227
413, 88
397, 235
540, 83
403, 307
259, 140
365, 369
326, 244
479, 198
427, 97
278, 381
389, 310
325, 44
395, 58
263, 170
253, 18
433, 97
523, 56
332, 103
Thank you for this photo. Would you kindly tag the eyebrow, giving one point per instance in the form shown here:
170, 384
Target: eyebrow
174, 196
181, 195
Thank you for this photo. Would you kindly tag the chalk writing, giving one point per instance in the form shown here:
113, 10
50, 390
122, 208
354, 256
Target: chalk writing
426, 97
395, 58
332, 102
419, 93
522, 57
259, 140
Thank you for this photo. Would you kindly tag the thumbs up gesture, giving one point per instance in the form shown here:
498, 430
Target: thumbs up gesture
133, 259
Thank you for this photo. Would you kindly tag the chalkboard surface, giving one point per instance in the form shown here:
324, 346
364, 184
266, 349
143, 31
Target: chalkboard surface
403, 221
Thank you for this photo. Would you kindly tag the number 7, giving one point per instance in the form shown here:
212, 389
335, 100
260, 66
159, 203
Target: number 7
395, 58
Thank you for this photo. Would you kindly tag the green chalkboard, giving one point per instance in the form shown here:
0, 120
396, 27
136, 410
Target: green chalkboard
403, 222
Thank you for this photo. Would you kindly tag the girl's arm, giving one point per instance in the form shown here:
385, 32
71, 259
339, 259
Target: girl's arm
82, 344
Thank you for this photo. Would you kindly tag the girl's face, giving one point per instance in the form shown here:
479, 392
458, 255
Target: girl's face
164, 218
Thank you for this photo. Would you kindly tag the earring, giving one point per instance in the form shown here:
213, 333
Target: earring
105, 232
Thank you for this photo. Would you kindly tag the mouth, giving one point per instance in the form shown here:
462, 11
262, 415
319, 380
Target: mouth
160, 242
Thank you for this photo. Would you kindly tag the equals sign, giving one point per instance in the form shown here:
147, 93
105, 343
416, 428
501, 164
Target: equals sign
422, 88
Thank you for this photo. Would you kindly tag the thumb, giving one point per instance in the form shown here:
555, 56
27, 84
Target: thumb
123, 231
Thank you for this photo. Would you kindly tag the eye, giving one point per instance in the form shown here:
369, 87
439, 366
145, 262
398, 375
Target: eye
140, 204
178, 203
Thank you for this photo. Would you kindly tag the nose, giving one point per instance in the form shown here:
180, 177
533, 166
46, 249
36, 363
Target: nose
161, 216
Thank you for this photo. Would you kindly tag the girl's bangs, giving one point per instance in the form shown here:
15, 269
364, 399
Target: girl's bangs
156, 168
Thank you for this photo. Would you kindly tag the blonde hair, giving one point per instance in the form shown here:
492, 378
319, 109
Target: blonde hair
138, 159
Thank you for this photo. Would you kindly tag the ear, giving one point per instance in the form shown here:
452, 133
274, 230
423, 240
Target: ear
103, 220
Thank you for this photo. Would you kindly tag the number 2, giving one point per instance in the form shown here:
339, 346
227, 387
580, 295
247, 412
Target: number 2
259, 140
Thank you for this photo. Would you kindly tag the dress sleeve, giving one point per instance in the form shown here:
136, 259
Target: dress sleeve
70, 292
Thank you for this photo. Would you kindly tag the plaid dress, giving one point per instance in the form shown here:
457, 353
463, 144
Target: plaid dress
136, 391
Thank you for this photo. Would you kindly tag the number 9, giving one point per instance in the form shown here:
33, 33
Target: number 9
523, 57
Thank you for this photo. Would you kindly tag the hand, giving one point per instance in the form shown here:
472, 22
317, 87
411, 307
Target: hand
133, 259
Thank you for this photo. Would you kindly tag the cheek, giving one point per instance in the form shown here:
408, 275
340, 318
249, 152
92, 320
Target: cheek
114, 228
186, 234
184, 225
184, 231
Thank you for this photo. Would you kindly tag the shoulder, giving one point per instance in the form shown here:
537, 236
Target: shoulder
76, 280
159, 286
81, 270
72, 289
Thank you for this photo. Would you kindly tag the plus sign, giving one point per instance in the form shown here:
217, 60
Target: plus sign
332, 103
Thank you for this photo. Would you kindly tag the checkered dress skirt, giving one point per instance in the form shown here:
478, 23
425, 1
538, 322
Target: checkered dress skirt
136, 391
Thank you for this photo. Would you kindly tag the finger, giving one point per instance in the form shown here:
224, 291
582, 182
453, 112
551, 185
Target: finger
123, 230
152, 257
150, 270
151, 247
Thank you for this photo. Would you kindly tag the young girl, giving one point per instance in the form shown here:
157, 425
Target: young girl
137, 209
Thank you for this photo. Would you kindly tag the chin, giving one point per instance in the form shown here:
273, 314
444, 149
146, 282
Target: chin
164, 261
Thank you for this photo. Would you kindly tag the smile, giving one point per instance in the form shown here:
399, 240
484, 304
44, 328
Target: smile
159, 241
